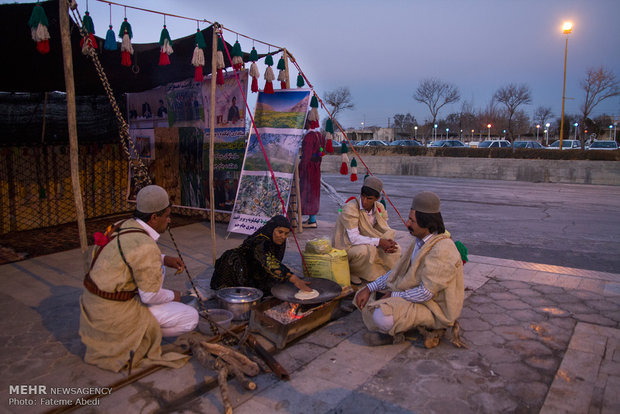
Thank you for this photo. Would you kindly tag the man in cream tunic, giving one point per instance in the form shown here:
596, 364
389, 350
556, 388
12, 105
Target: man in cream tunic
362, 231
425, 288
124, 309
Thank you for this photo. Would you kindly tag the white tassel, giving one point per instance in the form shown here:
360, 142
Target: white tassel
344, 158
198, 59
314, 114
167, 48
126, 44
220, 60
254, 70
40, 33
237, 60
269, 76
328, 136
282, 76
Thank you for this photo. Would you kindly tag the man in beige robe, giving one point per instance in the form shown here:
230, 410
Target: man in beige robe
124, 308
362, 230
425, 288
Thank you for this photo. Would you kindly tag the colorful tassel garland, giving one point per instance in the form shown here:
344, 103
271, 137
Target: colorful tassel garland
269, 76
344, 169
329, 135
126, 34
220, 62
353, 169
300, 81
38, 29
237, 56
110, 40
254, 73
198, 58
313, 116
165, 44
282, 73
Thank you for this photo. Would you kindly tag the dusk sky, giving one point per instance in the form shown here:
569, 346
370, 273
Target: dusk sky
381, 50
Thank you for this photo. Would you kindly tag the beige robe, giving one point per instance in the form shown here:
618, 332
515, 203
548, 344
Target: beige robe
111, 329
439, 266
365, 261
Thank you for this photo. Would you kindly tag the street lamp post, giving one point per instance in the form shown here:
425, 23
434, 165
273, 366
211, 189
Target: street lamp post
435, 132
504, 137
415, 128
472, 135
567, 28
610, 126
537, 128
575, 125
547, 125
447, 130
489, 134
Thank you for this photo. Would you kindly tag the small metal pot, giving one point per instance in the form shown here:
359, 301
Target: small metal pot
238, 300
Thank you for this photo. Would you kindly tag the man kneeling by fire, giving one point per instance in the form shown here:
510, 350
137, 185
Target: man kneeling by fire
425, 289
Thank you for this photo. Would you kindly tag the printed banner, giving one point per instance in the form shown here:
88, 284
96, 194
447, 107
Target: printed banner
185, 104
147, 110
280, 119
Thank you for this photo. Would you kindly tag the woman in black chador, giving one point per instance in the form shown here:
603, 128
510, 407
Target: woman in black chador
258, 261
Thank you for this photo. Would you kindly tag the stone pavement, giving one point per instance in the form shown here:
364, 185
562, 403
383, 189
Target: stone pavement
542, 339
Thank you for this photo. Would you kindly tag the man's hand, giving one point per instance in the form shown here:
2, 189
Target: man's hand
174, 262
300, 284
362, 298
388, 245
177, 296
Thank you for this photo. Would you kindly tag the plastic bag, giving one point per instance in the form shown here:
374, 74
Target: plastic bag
321, 245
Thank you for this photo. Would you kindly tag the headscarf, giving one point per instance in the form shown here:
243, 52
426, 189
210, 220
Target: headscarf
267, 231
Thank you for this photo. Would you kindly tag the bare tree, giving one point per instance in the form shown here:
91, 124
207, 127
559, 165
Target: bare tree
405, 123
542, 114
339, 100
599, 84
512, 96
435, 94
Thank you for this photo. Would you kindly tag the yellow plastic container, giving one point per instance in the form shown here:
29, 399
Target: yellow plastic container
333, 266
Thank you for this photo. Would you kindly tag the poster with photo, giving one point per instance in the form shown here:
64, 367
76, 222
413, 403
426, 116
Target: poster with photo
185, 104
148, 109
190, 167
144, 142
228, 159
280, 118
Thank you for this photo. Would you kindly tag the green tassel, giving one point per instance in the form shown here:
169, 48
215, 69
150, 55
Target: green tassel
329, 125
88, 23
281, 64
164, 35
200, 40
343, 148
220, 44
237, 49
383, 202
314, 103
37, 16
268, 60
300, 81
462, 250
125, 26
353, 162
366, 176
253, 55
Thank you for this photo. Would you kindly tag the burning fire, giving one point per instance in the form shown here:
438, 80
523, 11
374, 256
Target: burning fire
293, 310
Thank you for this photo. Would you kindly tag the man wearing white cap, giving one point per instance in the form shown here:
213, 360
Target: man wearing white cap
124, 309
425, 288
362, 230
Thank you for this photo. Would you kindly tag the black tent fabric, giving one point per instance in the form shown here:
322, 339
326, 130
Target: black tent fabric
30, 71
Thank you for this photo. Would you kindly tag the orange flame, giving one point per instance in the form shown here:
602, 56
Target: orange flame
292, 312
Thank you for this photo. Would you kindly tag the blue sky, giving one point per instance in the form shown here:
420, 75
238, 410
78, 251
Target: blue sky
381, 50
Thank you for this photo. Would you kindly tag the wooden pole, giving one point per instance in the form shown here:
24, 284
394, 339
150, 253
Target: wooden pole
43, 126
212, 139
72, 127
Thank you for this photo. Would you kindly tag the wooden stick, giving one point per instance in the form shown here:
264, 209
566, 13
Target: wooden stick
222, 375
231, 356
243, 380
212, 140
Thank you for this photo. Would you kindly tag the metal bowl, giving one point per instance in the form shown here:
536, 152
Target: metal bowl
238, 300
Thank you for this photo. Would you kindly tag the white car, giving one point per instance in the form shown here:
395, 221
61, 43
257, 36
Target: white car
566, 144
494, 143
371, 143
609, 145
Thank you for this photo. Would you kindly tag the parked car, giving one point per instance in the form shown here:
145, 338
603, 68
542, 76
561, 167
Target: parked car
604, 145
371, 143
405, 143
494, 143
566, 144
528, 144
448, 143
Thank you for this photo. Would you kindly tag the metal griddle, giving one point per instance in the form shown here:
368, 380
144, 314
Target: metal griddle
328, 290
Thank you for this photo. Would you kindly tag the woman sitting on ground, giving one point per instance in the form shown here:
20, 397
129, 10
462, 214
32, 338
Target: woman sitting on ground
258, 261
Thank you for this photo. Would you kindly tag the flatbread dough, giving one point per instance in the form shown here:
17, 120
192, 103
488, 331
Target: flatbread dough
302, 295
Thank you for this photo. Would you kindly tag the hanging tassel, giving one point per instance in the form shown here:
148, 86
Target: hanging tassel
89, 28
313, 116
198, 58
344, 170
329, 135
220, 62
87, 21
254, 73
237, 56
300, 81
353, 169
126, 34
110, 40
38, 29
282, 72
269, 76
166, 47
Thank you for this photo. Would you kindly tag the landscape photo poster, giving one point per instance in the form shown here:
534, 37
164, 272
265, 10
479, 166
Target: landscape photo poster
279, 119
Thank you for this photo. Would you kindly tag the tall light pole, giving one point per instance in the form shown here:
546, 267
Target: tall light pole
575, 125
415, 128
537, 128
447, 130
472, 135
610, 126
489, 134
547, 125
567, 28
435, 132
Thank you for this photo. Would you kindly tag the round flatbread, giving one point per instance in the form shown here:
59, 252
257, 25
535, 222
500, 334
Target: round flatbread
302, 295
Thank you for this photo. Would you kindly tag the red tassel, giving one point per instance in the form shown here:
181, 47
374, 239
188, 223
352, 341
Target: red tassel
220, 77
329, 146
43, 46
254, 84
93, 41
198, 74
282, 84
100, 239
314, 124
125, 58
268, 87
353, 177
344, 168
164, 59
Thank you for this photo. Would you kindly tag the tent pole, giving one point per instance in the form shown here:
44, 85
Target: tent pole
43, 126
300, 228
212, 139
72, 127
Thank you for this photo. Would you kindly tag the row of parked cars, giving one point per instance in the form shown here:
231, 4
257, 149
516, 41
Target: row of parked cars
494, 143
